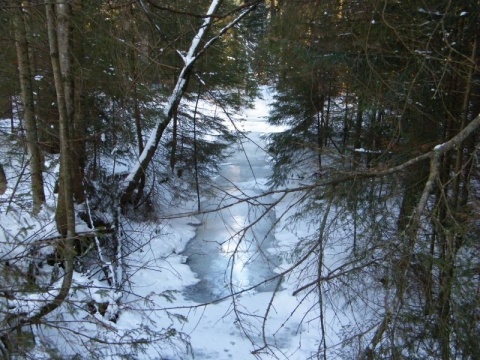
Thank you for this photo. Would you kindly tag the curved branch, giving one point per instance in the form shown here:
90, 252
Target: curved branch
437, 151
411, 232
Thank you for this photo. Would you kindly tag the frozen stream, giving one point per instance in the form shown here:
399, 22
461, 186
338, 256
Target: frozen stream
232, 248
227, 259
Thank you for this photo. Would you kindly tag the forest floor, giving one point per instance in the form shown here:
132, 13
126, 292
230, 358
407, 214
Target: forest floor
153, 311
253, 325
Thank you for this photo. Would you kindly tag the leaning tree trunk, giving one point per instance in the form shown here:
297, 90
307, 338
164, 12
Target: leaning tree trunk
25, 75
194, 53
412, 230
131, 182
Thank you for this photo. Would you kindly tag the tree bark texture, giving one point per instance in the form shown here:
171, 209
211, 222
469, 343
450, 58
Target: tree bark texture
195, 52
146, 156
24, 71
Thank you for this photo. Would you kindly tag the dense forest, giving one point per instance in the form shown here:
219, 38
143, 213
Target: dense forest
103, 129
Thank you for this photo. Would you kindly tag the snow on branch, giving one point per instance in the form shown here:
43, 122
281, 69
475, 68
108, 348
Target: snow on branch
227, 27
173, 101
193, 54
411, 233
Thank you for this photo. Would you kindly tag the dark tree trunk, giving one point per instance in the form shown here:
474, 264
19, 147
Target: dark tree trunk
24, 70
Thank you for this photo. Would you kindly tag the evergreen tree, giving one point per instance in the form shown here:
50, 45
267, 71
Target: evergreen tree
100, 83
406, 77
307, 73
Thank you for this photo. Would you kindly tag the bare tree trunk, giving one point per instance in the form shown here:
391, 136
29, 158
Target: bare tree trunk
320, 134
72, 96
65, 212
273, 9
65, 217
65, 247
182, 82
326, 126
194, 53
3, 181
195, 152
346, 127
78, 132
410, 235
25, 75
173, 151
78, 145
357, 136
133, 68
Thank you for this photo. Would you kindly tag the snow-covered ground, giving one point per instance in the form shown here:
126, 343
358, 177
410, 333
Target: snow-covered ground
254, 324
251, 325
